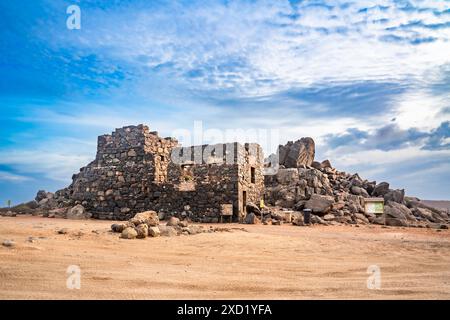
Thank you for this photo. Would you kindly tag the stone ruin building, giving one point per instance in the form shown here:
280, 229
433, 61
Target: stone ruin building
137, 170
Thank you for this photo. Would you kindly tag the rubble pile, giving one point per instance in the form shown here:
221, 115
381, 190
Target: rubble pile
338, 197
147, 224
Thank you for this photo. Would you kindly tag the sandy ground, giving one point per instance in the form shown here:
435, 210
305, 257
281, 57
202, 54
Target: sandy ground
263, 262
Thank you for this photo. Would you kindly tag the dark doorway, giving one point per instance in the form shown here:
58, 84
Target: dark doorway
244, 202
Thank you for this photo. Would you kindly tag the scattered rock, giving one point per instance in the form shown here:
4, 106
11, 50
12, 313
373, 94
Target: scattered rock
129, 233
168, 231
9, 243
150, 218
118, 227
142, 231
173, 221
63, 231
154, 232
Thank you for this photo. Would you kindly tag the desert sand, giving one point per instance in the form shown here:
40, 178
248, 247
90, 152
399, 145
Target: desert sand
262, 262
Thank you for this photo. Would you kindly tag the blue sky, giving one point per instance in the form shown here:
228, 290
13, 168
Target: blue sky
368, 80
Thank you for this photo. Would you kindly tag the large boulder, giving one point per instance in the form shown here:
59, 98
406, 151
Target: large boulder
77, 213
359, 191
398, 214
251, 218
325, 164
414, 203
380, 189
287, 176
395, 196
426, 214
295, 154
319, 204
252, 208
41, 194
150, 218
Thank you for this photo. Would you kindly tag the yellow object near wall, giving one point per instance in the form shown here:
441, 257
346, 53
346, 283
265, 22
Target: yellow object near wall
261, 203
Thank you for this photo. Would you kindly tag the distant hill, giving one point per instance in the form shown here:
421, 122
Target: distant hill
438, 204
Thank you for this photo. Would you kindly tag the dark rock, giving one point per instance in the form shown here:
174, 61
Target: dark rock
395, 196
380, 189
398, 214
63, 231
252, 208
316, 165
251, 218
326, 164
41, 194
359, 191
320, 205
119, 227
8, 243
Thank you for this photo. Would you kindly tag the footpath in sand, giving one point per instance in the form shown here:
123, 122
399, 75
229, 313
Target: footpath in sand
262, 262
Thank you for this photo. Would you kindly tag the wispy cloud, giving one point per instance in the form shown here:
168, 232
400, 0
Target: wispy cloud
10, 177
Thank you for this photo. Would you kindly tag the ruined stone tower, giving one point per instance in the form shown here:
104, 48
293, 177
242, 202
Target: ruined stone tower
136, 170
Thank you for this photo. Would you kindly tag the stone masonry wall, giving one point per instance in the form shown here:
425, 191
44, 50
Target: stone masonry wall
134, 170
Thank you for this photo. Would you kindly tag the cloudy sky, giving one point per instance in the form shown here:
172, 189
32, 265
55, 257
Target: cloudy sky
368, 80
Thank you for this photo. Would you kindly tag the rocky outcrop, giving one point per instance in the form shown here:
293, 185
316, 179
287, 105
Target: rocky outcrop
339, 197
295, 154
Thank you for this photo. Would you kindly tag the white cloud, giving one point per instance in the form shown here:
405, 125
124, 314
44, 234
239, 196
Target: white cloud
56, 159
266, 44
10, 177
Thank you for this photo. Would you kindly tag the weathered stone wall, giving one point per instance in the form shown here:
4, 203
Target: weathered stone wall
126, 173
224, 172
135, 170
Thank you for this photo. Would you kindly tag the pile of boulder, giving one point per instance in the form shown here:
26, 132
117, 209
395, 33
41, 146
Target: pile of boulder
338, 197
49, 205
147, 224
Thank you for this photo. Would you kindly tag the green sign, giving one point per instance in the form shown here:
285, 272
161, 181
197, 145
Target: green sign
375, 207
